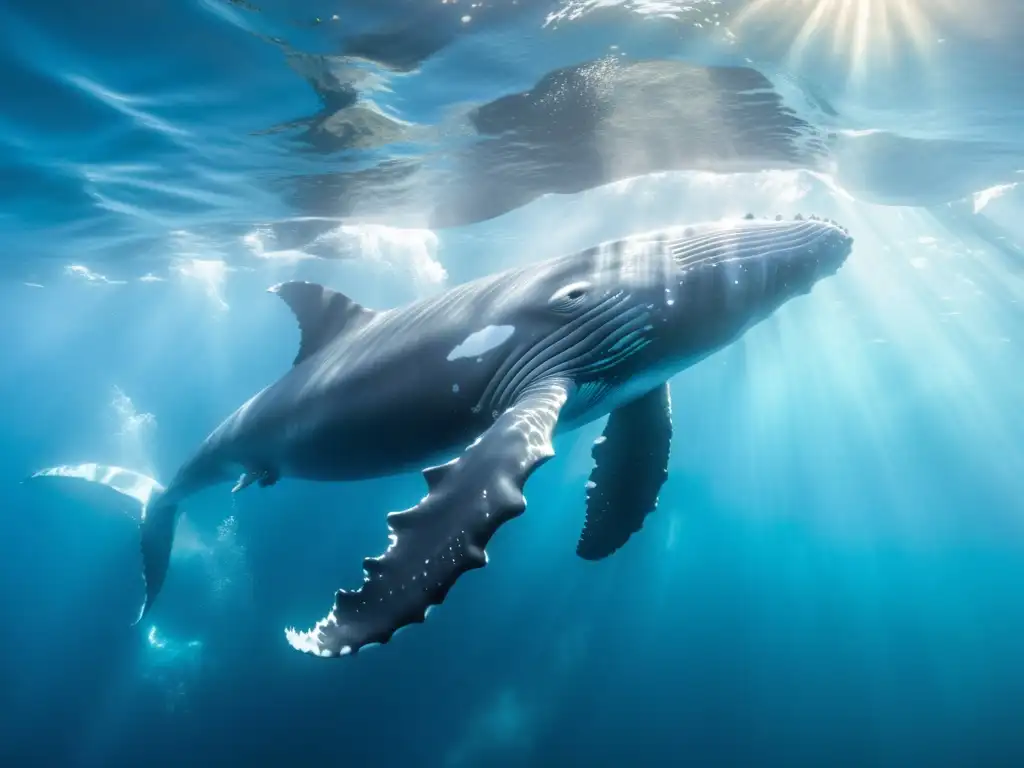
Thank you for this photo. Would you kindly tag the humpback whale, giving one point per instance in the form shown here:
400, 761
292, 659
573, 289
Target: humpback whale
501, 365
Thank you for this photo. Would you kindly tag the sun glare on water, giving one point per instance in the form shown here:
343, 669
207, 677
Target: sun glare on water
867, 34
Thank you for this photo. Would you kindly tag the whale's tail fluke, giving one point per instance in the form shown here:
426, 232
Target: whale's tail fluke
156, 517
157, 533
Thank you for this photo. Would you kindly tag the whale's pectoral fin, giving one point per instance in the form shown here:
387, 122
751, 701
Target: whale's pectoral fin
322, 314
631, 466
445, 535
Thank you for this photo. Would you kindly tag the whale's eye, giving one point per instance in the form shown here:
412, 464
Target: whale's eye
569, 297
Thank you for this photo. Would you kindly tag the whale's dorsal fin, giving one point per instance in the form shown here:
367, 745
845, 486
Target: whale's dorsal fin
322, 314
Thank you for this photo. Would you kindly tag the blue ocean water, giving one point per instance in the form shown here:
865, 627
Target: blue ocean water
834, 572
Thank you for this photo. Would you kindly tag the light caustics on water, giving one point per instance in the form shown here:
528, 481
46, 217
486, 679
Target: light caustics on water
867, 33
172, 666
694, 10
984, 197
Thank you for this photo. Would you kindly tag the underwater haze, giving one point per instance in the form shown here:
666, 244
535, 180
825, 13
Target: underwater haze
834, 574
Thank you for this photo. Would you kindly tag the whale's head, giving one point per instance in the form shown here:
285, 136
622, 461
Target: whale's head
633, 311
723, 277
737, 272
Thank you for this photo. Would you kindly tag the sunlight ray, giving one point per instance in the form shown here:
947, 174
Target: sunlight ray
868, 35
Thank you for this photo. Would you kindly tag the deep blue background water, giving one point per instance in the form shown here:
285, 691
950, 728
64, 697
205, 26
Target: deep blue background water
834, 573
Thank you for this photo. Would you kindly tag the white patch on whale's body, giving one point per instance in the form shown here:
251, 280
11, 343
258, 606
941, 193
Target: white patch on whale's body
482, 341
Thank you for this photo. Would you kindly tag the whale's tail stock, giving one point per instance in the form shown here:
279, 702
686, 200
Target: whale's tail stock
156, 517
